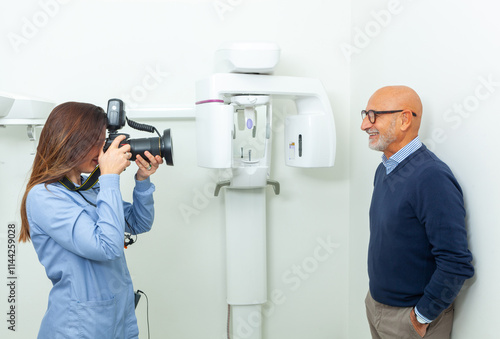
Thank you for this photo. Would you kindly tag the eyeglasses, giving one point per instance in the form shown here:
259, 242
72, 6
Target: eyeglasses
372, 115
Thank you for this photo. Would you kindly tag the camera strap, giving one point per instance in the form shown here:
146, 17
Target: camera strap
87, 184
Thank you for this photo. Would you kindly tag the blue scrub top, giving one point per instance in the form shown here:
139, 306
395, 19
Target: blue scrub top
81, 248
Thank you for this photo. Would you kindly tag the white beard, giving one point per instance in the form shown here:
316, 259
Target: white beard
384, 140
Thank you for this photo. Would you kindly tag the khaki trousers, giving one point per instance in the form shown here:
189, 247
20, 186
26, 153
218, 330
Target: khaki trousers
388, 322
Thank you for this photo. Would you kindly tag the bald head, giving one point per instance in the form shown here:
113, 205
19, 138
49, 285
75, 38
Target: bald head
398, 97
391, 131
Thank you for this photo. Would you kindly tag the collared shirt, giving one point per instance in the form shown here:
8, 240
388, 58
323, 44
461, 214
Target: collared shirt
391, 163
79, 241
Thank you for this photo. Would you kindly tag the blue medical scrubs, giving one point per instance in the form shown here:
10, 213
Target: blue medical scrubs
81, 248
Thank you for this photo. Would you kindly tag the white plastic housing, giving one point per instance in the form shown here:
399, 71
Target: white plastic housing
6, 103
314, 115
247, 57
246, 246
308, 141
214, 125
247, 321
15, 109
249, 176
26, 108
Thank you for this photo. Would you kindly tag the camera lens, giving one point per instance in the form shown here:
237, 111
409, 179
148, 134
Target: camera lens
167, 147
156, 146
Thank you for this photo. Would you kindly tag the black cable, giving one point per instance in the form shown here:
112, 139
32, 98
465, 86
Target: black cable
86, 199
142, 127
147, 308
228, 321
128, 240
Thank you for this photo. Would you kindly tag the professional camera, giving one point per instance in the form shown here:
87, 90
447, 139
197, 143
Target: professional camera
161, 146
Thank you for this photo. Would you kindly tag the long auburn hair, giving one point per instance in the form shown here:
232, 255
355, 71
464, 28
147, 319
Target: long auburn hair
70, 132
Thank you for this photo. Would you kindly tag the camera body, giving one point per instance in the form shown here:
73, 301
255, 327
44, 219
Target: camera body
161, 145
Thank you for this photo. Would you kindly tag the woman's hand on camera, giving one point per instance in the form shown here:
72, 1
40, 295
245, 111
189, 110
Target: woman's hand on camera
116, 158
147, 168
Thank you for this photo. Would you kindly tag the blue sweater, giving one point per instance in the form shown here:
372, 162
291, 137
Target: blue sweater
418, 253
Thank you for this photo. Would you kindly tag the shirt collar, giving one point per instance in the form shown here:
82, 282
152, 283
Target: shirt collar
391, 163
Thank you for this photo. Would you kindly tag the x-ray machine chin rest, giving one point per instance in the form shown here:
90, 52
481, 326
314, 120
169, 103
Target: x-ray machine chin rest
234, 131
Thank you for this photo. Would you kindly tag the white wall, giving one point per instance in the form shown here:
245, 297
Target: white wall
94, 50
446, 51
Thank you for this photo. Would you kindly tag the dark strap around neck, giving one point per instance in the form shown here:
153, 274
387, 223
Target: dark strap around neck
87, 184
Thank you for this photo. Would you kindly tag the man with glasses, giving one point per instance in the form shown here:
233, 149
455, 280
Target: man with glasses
418, 257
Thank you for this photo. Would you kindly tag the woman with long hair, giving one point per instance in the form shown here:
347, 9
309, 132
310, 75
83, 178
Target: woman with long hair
77, 224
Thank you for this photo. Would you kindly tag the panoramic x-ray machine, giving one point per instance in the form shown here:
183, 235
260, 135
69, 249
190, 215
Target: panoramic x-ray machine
234, 132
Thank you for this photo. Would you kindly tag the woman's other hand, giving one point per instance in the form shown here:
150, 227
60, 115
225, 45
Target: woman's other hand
147, 168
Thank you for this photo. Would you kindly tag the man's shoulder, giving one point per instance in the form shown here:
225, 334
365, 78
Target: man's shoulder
420, 169
432, 163
425, 161
431, 172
